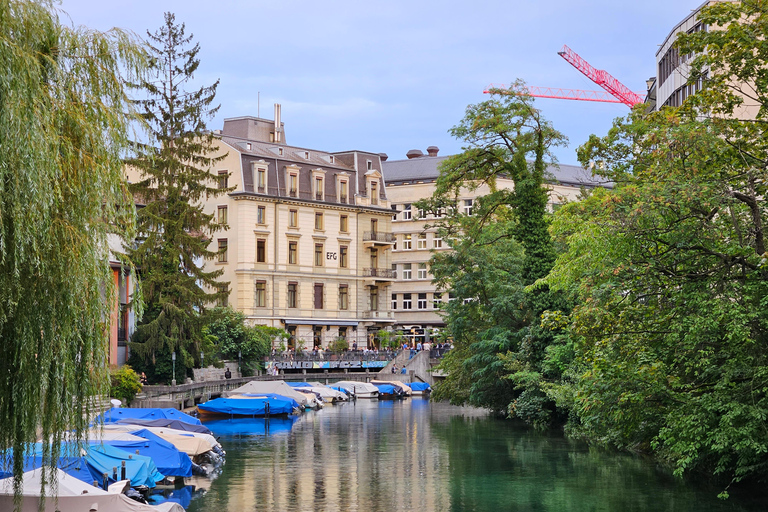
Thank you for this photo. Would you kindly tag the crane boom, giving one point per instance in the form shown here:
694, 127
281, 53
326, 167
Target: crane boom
562, 94
601, 78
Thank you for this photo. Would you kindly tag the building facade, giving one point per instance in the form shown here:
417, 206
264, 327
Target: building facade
414, 299
309, 239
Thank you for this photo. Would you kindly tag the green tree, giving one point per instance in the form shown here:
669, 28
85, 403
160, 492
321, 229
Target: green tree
234, 337
63, 128
500, 249
175, 231
670, 272
124, 383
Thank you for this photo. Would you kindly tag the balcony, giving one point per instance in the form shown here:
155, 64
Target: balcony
380, 315
378, 238
380, 274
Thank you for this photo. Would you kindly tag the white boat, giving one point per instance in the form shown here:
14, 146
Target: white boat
405, 388
329, 395
73, 495
359, 389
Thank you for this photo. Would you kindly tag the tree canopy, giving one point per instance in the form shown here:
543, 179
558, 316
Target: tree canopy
64, 119
174, 230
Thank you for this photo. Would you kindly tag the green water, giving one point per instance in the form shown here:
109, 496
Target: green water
419, 456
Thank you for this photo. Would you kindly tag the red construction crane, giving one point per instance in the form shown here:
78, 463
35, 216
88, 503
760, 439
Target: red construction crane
617, 92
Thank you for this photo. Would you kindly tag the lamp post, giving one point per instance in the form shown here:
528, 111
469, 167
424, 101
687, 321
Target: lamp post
239, 356
173, 357
202, 358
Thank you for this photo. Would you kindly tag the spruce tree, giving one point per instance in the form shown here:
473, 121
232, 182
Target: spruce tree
174, 230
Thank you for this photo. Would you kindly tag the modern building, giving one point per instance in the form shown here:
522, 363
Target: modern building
414, 299
309, 238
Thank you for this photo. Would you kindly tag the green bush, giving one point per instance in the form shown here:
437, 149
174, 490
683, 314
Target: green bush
125, 383
339, 345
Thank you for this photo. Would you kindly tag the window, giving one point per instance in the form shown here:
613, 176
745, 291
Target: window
223, 291
394, 301
344, 224
406, 271
421, 241
374, 193
261, 215
374, 258
222, 214
437, 299
222, 250
468, 206
343, 332
223, 179
407, 301
261, 180
407, 212
261, 294
394, 214
437, 243
422, 302
306, 155
292, 288
261, 250
343, 296
422, 213
293, 218
374, 298
293, 253
394, 270
407, 243
369, 165
343, 261
318, 296
319, 221
374, 226
318, 188
293, 181
318, 255
422, 271
342, 191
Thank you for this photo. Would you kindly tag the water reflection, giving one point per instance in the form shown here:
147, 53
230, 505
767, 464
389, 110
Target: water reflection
415, 455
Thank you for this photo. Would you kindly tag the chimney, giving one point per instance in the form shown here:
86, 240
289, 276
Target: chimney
383, 157
278, 131
432, 150
414, 153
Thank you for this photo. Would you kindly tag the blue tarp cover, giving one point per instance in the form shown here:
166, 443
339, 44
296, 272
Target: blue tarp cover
118, 413
345, 391
174, 424
139, 469
250, 406
419, 386
168, 459
76, 466
298, 384
388, 389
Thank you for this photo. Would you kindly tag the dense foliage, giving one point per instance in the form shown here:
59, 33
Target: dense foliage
174, 230
63, 128
499, 247
124, 383
235, 340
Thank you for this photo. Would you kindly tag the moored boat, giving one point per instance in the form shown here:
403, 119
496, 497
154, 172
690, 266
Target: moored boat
249, 405
359, 389
420, 389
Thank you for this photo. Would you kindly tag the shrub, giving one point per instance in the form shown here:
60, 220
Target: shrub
125, 383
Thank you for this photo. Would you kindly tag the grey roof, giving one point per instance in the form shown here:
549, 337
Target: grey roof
426, 168
290, 153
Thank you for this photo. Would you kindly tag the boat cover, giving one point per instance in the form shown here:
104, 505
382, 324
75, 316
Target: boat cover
169, 460
388, 389
272, 386
73, 465
185, 441
419, 386
252, 426
118, 413
250, 405
404, 388
175, 424
298, 384
73, 496
357, 387
139, 469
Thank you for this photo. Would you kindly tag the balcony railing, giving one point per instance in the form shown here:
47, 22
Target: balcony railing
378, 236
378, 314
385, 273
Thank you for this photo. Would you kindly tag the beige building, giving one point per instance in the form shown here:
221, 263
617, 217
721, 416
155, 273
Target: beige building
309, 238
414, 299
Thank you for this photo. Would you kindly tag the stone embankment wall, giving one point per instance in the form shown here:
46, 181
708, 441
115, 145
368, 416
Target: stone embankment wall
417, 368
211, 373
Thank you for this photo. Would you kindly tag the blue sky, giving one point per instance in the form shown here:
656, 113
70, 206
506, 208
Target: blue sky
391, 76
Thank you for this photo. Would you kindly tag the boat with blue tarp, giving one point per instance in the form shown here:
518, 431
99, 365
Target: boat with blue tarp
420, 388
168, 459
71, 461
119, 413
267, 404
139, 469
245, 427
174, 424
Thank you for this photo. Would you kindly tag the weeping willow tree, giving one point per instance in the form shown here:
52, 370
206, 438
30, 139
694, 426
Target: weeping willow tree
64, 119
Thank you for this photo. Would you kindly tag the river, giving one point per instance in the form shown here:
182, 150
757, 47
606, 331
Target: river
414, 455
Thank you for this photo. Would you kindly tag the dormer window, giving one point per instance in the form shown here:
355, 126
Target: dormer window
306, 155
332, 159
293, 182
374, 193
343, 185
280, 151
319, 188
369, 165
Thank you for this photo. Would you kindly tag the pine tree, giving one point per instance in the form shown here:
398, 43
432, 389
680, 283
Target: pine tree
174, 167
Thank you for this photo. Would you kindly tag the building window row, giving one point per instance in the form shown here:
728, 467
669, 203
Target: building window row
407, 303
406, 244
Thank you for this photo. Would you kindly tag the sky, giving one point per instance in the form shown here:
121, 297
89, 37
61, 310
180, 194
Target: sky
395, 75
